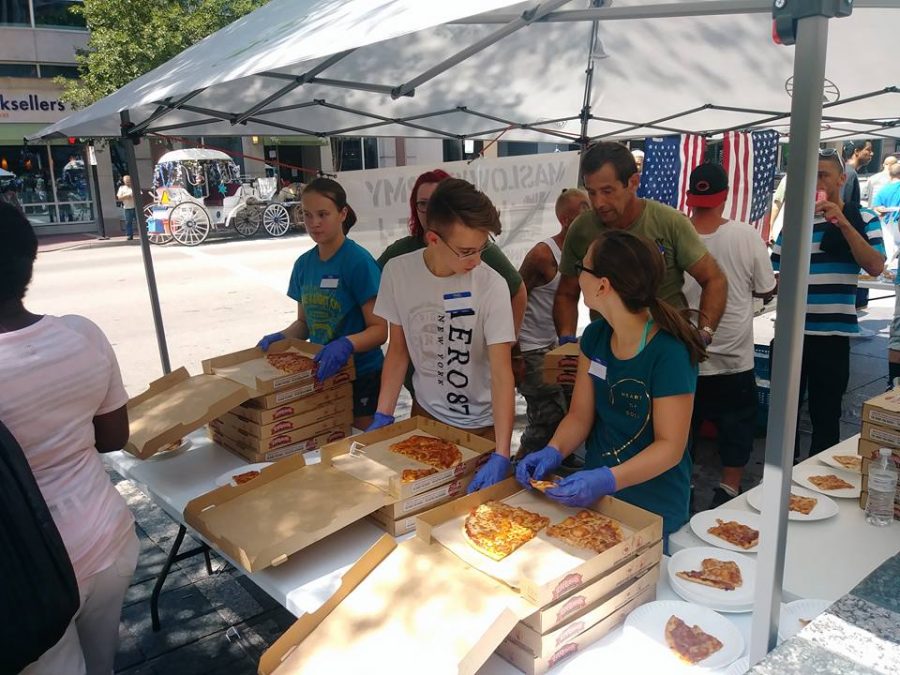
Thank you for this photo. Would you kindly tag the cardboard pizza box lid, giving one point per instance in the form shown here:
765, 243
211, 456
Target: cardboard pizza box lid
287, 508
413, 608
175, 405
250, 368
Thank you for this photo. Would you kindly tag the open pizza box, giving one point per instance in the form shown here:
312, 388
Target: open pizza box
545, 568
367, 456
251, 368
288, 507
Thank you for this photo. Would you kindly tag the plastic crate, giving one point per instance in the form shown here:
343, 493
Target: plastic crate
762, 364
762, 408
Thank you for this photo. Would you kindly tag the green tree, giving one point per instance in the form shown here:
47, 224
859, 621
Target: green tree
131, 37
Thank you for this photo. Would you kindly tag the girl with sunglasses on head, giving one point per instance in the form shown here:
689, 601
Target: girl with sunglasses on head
634, 391
335, 285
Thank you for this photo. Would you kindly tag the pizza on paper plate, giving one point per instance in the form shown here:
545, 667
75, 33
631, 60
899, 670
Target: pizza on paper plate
690, 642
589, 530
803, 505
542, 485
722, 574
735, 533
291, 363
428, 450
497, 529
851, 462
830, 482
410, 475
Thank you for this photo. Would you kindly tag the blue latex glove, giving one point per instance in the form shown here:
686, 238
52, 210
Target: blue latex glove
537, 465
567, 339
381, 420
493, 471
333, 357
268, 340
584, 487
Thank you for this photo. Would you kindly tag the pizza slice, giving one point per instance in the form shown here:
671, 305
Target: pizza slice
542, 485
830, 482
428, 450
588, 530
691, 643
490, 531
246, 477
533, 521
850, 462
410, 475
803, 505
721, 574
291, 363
735, 533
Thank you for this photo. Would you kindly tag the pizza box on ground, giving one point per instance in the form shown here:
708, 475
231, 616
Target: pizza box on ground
544, 569
395, 528
522, 658
253, 455
869, 449
341, 420
304, 407
322, 411
548, 619
885, 437
883, 410
368, 457
251, 368
288, 507
414, 600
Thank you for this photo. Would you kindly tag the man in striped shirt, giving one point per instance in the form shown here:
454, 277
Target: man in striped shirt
845, 238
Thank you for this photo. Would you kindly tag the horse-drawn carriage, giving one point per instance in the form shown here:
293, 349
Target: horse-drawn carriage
198, 190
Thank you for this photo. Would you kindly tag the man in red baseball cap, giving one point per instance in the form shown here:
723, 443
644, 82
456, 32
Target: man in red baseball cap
726, 386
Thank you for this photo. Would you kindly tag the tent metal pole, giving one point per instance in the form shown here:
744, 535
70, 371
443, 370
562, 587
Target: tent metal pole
131, 159
165, 107
806, 114
588, 85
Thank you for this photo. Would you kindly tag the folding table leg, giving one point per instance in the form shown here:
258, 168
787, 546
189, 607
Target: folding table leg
173, 557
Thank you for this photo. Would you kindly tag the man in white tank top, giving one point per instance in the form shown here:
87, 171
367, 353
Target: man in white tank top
547, 404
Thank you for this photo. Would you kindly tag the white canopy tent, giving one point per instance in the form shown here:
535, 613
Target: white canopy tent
571, 70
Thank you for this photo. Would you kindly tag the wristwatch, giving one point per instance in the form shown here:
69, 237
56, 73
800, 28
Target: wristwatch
707, 334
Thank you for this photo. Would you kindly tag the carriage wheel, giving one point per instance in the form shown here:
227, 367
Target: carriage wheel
297, 217
158, 239
276, 220
189, 223
246, 220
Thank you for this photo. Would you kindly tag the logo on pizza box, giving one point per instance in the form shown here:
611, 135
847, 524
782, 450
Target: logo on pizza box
566, 378
564, 652
335, 436
567, 362
283, 411
571, 606
278, 441
340, 378
282, 426
574, 629
569, 582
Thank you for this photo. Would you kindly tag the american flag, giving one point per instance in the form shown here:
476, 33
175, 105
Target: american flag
749, 159
668, 162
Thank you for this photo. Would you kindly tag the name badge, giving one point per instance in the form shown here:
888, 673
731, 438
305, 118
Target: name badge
329, 281
458, 304
598, 369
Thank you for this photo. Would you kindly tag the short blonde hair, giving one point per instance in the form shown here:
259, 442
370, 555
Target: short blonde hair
566, 197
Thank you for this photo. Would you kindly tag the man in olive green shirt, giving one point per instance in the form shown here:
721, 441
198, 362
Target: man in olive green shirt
611, 179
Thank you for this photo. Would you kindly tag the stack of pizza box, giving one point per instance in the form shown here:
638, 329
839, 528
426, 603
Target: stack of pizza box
880, 429
290, 410
561, 364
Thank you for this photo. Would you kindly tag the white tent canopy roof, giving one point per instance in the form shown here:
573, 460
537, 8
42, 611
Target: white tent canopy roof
195, 154
364, 67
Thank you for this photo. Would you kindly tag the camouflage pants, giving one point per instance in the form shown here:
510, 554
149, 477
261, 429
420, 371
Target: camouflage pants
547, 404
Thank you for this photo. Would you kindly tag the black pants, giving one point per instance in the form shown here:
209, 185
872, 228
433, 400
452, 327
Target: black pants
728, 401
824, 376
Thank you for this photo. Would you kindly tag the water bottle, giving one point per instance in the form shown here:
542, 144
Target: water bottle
882, 486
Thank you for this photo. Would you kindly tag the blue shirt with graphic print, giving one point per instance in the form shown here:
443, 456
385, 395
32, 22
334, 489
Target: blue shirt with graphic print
333, 292
623, 425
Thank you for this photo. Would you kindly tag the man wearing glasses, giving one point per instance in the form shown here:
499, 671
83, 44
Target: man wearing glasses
450, 316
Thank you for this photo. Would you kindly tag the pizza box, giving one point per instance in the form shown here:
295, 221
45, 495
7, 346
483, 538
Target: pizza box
528, 663
367, 456
544, 569
863, 496
288, 424
395, 528
550, 643
250, 368
302, 393
564, 357
866, 468
870, 449
253, 456
884, 436
883, 410
175, 405
412, 600
304, 406
557, 376
288, 507
340, 420
427, 500
554, 615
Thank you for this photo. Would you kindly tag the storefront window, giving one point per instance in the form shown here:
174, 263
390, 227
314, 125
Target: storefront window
18, 70
72, 184
57, 13
50, 71
14, 12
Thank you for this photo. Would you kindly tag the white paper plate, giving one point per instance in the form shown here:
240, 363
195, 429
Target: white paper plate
791, 614
701, 522
825, 506
225, 478
645, 628
738, 600
163, 454
802, 475
739, 667
827, 457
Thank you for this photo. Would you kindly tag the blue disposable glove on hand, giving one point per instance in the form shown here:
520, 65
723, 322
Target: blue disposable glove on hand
567, 339
381, 420
493, 471
268, 340
333, 357
584, 488
537, 465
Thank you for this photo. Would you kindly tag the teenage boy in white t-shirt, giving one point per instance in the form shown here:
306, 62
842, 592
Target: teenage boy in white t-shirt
726, 386
451, 317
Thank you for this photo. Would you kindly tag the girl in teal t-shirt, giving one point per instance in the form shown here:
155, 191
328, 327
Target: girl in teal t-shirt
634, 392
335, 285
